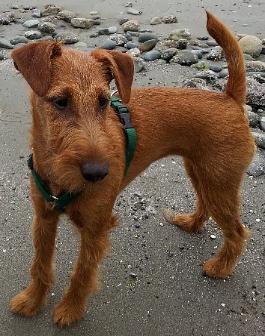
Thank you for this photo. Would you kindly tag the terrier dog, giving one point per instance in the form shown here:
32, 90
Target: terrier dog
79, 147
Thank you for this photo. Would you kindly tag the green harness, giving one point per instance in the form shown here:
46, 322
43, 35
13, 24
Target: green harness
61, 202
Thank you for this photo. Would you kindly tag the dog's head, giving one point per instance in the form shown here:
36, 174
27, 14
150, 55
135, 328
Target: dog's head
73, 125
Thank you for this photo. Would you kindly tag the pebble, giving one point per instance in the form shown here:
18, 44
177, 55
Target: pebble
255, 66
122, 20
255, 93
180, 34
143, 37
257, 167
18, 39
133, 275
36, 13
201, 66
81, 46
31, 23
208, 75
182, 44
128, 4
152, 55
197, 83
108, 31
139, 64
166, 44
212, 43
33, 34
133, 11
216, 54
259, 138
156, 20
46, 27
66, 15
4, 43
82, 23
130, 45
216, 68
251, 45
119, 39
67, 37
3, 55
6, 19
212, 236
167, 54
262, 123
50, 10
135, 52
148, 45
223, 74
169, 19
185, 57
108, 44
253, 119
131, 25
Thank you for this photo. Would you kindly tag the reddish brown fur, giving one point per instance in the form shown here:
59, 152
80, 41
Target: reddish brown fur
208, 129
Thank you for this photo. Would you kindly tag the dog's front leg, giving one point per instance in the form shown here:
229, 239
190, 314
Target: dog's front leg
94, 241
44, 226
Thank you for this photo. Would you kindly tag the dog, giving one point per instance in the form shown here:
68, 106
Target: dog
80, 153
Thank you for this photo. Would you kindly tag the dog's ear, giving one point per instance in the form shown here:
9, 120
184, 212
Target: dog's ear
34, 61
119, 66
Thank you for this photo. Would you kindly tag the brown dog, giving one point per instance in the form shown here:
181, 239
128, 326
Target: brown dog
79, 146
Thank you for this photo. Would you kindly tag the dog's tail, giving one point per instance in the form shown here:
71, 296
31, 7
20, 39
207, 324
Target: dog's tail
236, 85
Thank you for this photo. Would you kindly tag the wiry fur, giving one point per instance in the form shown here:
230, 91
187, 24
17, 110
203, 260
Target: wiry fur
208, 129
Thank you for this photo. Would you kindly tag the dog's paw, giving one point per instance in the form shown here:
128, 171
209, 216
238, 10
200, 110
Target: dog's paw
217, 268
25, 303
185, 222
66, 313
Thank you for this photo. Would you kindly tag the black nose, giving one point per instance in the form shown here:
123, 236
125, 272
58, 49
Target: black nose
95, 171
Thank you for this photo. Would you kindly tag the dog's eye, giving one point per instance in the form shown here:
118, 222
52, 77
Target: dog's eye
60, 103
103, 102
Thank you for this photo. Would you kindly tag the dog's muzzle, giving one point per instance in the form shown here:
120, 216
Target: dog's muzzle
94, 171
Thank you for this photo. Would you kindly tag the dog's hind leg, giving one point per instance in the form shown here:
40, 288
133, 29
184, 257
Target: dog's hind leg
195, 221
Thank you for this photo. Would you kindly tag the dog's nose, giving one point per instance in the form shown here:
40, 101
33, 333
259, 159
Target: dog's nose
95, 171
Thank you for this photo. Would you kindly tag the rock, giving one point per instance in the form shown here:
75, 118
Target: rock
199, 53
133, 275
133, 11
180, 34
185, 57
135, 52
82, 23
251, 45
108, 31
169, 19
4, 43
93, 35
131, 25
262, 123
128, 4
31, 23
130, 45
216, 68
166, 44
152, 55
257, 167
223, 74
139, 64
143, 37
18, 39
167, 54
50, 10
33, 34
196, 83
208, 75
212, 43
66, 15
216, 54
253, 119
148, 45
255, 66
182, 44
36, 13
203, 38
108, 44
123, 20
255, 93
3, 55
248, 57
129, 35
259, 138
67, 37
46, 27
119, 39
81, 46
156, 20
201, 66
7, 18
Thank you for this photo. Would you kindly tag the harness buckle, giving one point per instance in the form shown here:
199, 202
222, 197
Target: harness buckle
125, 120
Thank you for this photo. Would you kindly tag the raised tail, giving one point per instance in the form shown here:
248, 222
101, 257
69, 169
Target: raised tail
236, 85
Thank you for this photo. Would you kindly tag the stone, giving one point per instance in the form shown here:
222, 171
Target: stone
196, 83
259, 137
216, 54
262, 123
108, 44
201, 66
180, 34
66, 15
143, 37
81, 46
131, 25
3, 55
50, 10
119, 39
133, 11
216, 68
156, 20
185, 57
130, 45
67, 37
182, 44
223, 74
257, 167
248, 57
18, 39
166, 44
169, 19
122, 20
152, 55
82, 23
128, 4
251, 45
108, 31
135, 52
255, 93
7, 18
4, 43
253, 119
46, 27
33, 34
147, 45
31, 23
208, 75
212, 43
255, 66
36, 13
199, 53
167, 54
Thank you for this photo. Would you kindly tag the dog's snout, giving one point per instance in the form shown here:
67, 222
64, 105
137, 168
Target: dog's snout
95, 171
